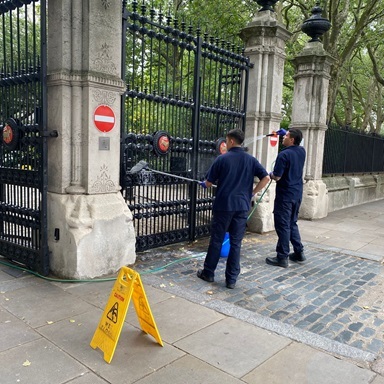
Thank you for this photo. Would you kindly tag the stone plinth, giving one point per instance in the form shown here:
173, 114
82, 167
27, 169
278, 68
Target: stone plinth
94, 235
315, 200
261, 220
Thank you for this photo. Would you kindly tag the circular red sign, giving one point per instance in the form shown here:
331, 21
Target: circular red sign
163, 143
104, 118
273, 140
7, 134
223, 147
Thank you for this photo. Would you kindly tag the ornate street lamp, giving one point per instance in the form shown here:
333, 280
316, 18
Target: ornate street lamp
267, 5
316, 26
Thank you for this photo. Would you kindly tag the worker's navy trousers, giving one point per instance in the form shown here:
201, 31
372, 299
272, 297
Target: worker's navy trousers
285, 214
235, 223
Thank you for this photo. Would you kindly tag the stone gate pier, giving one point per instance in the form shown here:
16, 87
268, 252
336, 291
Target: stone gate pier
90, 226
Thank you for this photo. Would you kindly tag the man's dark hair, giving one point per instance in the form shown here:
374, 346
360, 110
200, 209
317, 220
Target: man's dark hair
296, 135
237, 135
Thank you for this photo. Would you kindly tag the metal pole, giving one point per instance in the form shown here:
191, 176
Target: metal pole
43, 267
176, 176
245, 93
123, 160
195, 138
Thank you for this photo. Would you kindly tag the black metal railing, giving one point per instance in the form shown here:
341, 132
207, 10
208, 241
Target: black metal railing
350, 152
191, 88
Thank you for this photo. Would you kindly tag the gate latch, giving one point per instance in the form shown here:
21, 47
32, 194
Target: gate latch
52, 133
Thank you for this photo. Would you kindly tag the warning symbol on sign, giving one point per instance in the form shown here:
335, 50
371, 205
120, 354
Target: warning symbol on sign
113, 313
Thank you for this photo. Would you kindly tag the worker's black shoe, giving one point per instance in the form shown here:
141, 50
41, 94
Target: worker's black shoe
230, 285
201, 275
297, 256
277, 261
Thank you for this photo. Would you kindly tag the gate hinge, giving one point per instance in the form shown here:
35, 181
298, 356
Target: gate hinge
52, 133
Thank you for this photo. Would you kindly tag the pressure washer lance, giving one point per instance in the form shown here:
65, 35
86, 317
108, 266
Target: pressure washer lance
280, 132
144, 165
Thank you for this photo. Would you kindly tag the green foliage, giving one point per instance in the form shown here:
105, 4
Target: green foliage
20, 38
20, 55
354, 99
355, 24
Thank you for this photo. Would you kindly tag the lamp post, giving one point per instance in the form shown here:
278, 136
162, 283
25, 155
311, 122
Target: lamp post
267, 5
316, 26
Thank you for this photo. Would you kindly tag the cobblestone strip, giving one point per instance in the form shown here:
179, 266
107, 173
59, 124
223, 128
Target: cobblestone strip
333, 295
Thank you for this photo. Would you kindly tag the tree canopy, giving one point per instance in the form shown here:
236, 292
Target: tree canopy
354, 41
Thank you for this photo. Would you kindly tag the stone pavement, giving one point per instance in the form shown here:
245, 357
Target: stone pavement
318, 322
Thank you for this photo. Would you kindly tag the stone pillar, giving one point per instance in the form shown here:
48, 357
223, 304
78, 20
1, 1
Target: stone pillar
90, 226
309, 113
264, 41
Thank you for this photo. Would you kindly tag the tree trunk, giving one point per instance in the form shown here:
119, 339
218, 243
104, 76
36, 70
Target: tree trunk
368, 106
380, 111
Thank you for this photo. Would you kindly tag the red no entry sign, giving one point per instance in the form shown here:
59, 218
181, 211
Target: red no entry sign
104, 118
273, 140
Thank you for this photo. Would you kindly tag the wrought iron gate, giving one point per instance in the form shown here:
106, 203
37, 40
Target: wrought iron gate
23, 176
184, 92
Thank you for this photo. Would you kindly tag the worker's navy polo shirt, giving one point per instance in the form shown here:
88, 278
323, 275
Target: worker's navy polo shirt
289, 166
233, 173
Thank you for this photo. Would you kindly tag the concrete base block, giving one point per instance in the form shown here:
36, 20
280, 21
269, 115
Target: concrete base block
261, 220
95, 238
315, 200
348, 191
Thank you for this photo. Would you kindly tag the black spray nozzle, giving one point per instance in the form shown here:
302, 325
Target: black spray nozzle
280, 132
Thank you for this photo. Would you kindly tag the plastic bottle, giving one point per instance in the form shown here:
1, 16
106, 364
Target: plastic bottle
225, 246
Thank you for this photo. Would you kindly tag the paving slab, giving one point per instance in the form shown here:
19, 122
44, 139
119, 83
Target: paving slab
300, 364
88, 378
40, 302
14, 331
189, 370
378, 241
9, 283
177, 318
96, 293
233, 346
348, 235
343, 243
136, 354
13, 272
4, 276
373, 248
38, 362
378, 380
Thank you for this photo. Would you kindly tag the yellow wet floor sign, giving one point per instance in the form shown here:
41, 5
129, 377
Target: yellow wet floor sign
128, 285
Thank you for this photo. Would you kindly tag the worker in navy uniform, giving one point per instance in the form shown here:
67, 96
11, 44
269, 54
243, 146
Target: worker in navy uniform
233, 173
288, 174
